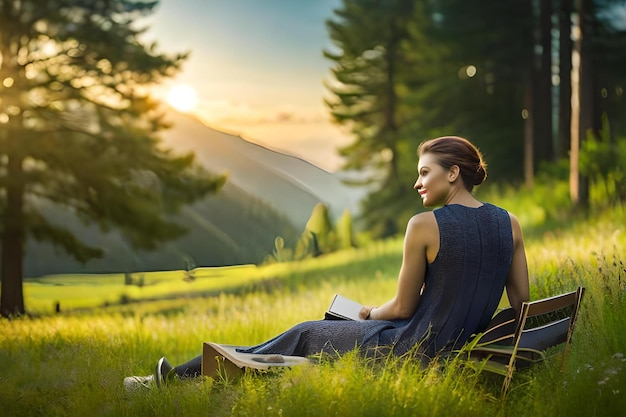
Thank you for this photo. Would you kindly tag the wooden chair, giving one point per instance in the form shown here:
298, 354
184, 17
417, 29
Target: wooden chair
509, 344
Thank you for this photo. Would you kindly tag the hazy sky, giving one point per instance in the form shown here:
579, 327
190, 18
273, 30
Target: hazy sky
257, 68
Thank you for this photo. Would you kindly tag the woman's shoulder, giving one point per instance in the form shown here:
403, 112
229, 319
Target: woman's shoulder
423, 232
423, 217
504, 212
424, 220
516, 228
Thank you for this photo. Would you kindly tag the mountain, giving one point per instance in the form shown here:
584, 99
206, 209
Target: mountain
267, 194
293, 186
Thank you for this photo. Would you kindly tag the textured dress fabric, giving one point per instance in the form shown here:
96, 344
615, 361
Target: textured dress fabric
462, 289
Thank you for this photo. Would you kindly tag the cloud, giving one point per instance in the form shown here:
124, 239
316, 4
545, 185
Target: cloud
304, 132
233, 114
314, 142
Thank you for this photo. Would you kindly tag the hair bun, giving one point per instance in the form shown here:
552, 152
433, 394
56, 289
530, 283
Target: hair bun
481, 173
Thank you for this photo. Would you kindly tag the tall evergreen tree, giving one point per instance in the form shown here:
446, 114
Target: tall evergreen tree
368, 36
564, 12
608, 48
601, 47
455, 69
543, 141
488, 66
78, 129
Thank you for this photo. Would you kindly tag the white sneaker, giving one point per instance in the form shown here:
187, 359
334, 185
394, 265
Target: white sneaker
134, 383
163, 372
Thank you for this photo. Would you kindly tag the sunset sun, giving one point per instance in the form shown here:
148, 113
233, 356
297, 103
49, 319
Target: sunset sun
183, 98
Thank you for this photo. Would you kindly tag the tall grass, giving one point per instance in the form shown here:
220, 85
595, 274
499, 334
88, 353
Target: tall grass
74, 364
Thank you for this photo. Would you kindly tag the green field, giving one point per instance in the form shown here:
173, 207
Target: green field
73, 363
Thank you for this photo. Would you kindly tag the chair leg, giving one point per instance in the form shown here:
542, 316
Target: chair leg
507, 379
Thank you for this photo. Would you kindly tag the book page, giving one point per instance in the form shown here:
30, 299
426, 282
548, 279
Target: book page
345, 308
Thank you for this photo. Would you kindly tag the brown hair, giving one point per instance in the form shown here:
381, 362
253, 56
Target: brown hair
454, 150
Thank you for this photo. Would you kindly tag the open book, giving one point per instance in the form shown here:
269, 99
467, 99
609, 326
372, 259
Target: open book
342, 308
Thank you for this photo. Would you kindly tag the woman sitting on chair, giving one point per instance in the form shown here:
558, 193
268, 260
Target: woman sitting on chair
457, 261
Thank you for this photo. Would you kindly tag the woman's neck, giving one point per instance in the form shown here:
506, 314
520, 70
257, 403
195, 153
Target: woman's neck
463, 198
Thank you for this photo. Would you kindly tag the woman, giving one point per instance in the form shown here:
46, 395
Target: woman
456, 263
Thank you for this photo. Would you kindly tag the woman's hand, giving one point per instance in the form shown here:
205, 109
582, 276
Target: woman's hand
366, 312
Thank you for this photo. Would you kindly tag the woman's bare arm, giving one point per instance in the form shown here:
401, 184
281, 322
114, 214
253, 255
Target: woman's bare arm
420, 229
517, 286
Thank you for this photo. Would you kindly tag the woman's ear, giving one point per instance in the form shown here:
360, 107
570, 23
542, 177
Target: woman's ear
454, 173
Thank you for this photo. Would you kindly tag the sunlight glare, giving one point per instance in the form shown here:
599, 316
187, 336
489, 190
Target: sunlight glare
183, 98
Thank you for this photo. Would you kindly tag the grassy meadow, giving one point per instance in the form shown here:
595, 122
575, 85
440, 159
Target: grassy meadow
73, 363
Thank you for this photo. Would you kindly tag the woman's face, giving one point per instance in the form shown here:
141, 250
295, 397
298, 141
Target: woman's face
433, 181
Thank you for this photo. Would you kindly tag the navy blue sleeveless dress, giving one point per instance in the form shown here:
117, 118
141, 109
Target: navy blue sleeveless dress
463, 287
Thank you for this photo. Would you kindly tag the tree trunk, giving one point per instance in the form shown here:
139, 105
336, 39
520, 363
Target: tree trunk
587, 96
574, 171
583, 97
529, 165
11, 268
565, 84
542, 123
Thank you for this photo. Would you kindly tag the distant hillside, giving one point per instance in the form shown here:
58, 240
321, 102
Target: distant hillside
230, 228
293, 186
267, 194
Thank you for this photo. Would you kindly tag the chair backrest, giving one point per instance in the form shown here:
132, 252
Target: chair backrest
542, 324
548, 322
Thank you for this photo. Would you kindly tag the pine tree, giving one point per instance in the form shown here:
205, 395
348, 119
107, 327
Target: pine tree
366, 95
345, 232
320, 228
78, 129
488, 71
